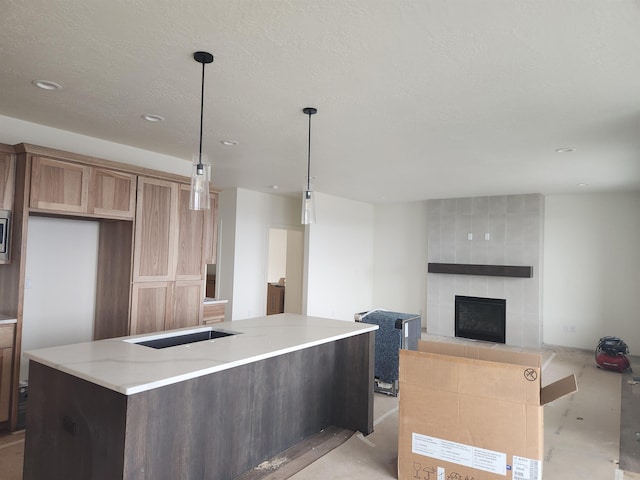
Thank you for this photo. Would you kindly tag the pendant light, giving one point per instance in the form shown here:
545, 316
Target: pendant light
201, 169
308, 203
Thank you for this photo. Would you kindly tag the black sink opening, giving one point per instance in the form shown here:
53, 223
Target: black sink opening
185, 339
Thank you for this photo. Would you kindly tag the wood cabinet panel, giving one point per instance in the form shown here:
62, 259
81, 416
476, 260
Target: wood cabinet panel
7, 179
190, 247
60, 186
155, 232
6, 355
149, 306
213, 313
80, 189
113, 279
112, 194
186, 305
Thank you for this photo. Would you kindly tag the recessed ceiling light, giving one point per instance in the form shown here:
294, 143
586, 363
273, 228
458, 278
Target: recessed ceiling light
565, 150
47, 85
229, 143
152, 118
274, 187
582, 184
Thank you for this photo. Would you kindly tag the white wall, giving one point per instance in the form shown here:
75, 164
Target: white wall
59, 298
592, 269
13, 131
400, 258
277, 255
340, 258
225, 271
295, 258
246, 218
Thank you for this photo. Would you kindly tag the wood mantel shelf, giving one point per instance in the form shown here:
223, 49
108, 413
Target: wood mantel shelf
486, 270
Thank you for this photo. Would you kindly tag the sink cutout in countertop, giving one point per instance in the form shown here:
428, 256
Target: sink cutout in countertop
184, 339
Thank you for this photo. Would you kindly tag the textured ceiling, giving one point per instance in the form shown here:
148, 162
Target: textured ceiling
416, 99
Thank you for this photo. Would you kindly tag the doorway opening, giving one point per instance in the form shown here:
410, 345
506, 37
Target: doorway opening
284, 272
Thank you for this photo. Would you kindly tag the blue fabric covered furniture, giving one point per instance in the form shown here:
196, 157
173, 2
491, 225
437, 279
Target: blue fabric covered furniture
396, 331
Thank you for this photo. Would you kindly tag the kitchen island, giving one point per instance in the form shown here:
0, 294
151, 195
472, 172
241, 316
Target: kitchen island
151, 407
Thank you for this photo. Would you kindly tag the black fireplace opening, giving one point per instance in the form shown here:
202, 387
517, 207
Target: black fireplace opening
481, 318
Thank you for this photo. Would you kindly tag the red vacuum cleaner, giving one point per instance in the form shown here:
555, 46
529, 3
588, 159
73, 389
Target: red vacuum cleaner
610, 354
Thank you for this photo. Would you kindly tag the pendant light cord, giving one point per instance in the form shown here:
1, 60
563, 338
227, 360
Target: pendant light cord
309, 155
201, 119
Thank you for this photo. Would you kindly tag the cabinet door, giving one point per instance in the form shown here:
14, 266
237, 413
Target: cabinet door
6, 354
150, 306
112, 194
211, 231
155, 231
186, 305
60, 186
190, 248
7, 180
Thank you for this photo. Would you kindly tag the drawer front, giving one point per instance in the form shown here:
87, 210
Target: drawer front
213, 313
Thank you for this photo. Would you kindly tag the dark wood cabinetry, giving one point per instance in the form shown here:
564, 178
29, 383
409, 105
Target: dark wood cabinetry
79, 430
275, 299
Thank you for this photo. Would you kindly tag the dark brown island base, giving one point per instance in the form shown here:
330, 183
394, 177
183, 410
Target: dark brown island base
105, 410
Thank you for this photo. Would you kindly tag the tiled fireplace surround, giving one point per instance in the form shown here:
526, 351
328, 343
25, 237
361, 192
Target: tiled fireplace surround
500, 230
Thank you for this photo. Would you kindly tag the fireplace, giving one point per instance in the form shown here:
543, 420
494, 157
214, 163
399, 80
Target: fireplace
480, 318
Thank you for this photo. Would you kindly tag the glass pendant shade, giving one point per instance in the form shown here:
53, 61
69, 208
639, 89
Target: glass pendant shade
308, 207
199, 198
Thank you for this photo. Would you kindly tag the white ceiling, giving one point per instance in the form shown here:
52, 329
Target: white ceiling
416, 99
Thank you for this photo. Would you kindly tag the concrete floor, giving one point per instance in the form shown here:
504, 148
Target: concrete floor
581, 432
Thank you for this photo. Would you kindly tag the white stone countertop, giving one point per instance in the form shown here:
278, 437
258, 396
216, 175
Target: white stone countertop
121, 365
210, 301
4, 319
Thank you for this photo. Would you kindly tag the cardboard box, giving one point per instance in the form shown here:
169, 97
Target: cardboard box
470, 412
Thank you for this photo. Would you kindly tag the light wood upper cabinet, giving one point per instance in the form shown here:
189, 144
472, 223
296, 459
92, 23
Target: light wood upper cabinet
80, 189
112, 194
7, 179
155, 230
59, 186
190, 247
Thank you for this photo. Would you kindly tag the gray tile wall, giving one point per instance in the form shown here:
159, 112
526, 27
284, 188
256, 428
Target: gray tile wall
501, 230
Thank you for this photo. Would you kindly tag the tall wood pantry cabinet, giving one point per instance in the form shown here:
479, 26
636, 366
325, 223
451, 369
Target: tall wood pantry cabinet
168, 270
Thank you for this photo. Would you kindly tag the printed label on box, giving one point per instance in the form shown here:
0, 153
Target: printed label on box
526, 469
461, 454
